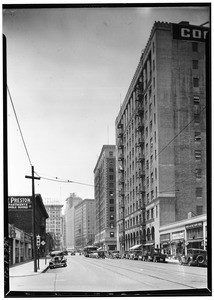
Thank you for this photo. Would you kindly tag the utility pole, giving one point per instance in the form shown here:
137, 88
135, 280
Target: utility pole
33, 216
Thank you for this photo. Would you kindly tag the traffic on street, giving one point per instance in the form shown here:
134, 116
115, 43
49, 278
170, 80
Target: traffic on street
85, 274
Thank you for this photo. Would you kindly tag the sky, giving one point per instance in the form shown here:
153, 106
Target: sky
68, 72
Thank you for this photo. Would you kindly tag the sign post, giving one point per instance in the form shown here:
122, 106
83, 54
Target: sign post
43, 243
38, 239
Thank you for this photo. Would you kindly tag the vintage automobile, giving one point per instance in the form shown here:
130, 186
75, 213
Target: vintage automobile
93, 255
57, 260
116, 254
155, 255
194, 257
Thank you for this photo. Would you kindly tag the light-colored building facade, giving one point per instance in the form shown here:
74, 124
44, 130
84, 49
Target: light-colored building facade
54, 222
84, 216
105, 198
71, 202
161, 136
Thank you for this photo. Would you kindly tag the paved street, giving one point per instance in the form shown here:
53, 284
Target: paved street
111, 275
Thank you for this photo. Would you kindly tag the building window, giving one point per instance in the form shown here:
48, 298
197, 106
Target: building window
111, 208
195, 82
111, 217
150, 126
150, 109
156, 211
147, 164
198, 192
146, 131
111, 201
147, 197
197, 118
110, 153
152, 213
199, 209
195, 64
195, 233
197, 136
111, 177
147, 215
111, 234
198, 173
194, 47
152, 195
198, 154
151, 143
111, 170
147, 181
196, 99
152, 177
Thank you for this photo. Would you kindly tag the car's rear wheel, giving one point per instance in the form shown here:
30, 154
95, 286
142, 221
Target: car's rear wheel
200, 260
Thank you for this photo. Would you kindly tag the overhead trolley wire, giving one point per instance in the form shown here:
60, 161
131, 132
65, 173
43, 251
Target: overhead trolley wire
19, 125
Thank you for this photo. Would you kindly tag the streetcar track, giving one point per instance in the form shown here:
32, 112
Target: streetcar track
136, 272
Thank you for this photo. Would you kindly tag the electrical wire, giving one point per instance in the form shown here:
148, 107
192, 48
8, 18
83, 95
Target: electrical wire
177, 135
56, 179
19, 125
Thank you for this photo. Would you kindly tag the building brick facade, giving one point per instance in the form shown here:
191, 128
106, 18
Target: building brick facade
161, 135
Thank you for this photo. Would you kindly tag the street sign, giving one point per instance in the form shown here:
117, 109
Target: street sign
43, 243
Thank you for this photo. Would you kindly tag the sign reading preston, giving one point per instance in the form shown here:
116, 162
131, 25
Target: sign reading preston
188, 32
19, 202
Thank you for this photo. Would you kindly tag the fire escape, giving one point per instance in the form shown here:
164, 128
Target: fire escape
140, 158
121, 186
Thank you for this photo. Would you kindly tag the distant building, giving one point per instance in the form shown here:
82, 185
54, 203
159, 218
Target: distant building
105, 198
71, 202
161, 136
63, 236
84, 215
20, 215
54, 222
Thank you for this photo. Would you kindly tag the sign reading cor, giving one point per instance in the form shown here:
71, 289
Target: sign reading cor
185, 32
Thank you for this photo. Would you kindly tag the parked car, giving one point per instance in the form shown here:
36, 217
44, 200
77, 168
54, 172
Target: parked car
94, 255
155, 255
134, 254
116, 254
57, 260
125, 255
194, 257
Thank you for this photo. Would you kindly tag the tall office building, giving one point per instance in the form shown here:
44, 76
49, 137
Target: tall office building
161, 135
54, 222
105, 198
84, 216
71, 202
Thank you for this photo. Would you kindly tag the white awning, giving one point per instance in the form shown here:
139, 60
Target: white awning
135, 247
148, 244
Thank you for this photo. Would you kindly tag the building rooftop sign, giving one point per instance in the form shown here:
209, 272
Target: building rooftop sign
189, 32
20, 202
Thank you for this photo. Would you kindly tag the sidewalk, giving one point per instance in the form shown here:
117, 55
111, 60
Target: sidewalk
27, 269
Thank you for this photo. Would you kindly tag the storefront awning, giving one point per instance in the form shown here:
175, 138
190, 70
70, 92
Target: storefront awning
148, 244
135, 247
